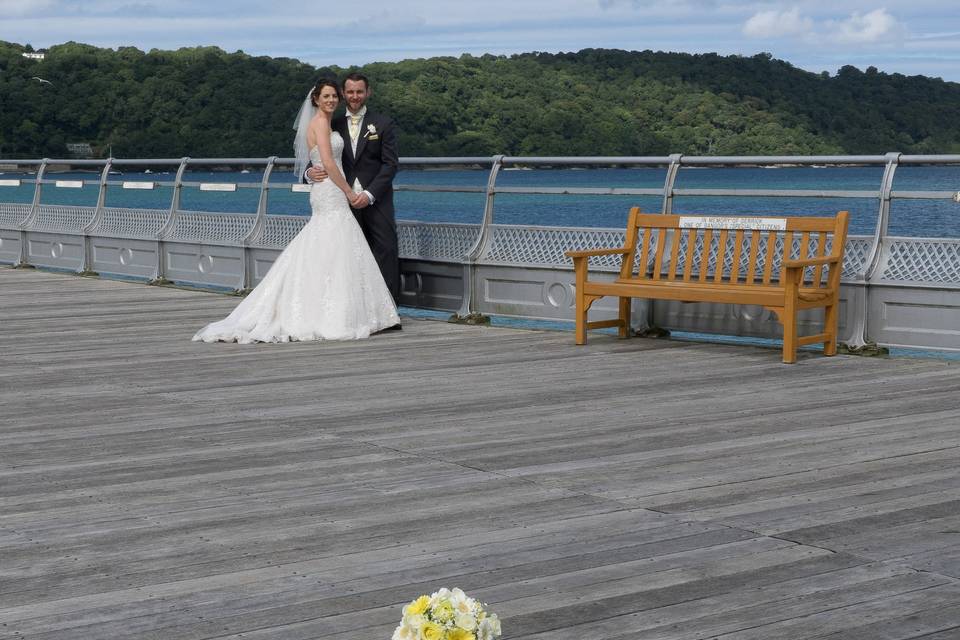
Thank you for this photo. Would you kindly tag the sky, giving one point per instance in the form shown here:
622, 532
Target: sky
912, 37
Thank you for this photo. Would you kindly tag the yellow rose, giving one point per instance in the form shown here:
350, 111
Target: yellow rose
418, 606
460, 634
431, 631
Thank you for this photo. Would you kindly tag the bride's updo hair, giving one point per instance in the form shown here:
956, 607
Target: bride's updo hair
324, 82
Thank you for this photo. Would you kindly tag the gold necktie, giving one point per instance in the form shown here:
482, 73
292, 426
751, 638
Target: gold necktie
354, 127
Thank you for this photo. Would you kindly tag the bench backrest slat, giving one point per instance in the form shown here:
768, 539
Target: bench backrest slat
737, 250
771, 254
645, 251
752, 271
821, 251
661, 245
721, 255
688, 256
751, 255
705, 254
674, 254
626, 268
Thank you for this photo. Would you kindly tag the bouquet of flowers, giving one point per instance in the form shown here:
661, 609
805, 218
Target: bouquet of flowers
447, 614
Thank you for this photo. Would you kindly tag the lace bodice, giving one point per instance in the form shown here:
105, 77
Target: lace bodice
336, 143
325, 197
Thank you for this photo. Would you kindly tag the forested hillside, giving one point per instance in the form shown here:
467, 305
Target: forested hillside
204, 102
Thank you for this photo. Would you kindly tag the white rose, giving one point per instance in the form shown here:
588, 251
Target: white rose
406, 632
461, 602
466, 621
490, 627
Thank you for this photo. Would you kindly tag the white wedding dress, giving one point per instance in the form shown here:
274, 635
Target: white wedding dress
326, 284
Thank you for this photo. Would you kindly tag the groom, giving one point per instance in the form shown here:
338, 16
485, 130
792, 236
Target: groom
370, 161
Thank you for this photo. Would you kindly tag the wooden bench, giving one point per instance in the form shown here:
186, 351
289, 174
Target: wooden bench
781, 264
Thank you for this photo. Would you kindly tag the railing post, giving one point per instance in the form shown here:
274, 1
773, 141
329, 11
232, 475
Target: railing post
101, 197
860, 332
37, 191
671, 179
258, 226
873, 261
468, 305
160, 271
673, 169
97, 216
34, 210
257, 230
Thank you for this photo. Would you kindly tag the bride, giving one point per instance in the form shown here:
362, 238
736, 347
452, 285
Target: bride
326, 284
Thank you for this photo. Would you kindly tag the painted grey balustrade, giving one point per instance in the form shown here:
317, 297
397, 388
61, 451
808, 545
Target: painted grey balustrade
897, 291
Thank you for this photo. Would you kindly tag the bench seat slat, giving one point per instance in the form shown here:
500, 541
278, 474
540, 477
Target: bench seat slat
771, 297
710, 292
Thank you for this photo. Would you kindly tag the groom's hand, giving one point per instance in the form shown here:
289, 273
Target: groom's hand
361, 201
317, 174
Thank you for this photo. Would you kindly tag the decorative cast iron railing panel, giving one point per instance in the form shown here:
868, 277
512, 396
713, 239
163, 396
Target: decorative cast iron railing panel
212, 228
436, 241
122, 222
930, 261
12, 214
61, 218
279, 230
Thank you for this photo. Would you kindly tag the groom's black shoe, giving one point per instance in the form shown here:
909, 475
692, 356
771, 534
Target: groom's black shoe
396, 327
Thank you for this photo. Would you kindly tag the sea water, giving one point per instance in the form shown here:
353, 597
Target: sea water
909, 217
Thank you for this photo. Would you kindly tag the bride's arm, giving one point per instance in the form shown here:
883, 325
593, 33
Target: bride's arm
321, 132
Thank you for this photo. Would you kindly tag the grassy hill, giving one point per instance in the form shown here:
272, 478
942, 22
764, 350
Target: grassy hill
205, 102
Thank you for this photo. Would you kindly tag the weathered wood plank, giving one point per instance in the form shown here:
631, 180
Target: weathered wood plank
151, 487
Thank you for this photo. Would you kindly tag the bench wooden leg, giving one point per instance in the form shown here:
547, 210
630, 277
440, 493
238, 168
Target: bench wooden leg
624, 329
580, 334
830, 328
790, 333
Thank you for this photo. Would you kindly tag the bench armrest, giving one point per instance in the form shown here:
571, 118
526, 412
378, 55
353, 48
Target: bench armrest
810, 262
597, 252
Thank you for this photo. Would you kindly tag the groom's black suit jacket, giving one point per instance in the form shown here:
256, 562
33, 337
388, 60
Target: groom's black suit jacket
377, 159
375, 164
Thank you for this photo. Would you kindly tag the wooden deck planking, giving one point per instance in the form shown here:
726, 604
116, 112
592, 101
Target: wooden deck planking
152, 487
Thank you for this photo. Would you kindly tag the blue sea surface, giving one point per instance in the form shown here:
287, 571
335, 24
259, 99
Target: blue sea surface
909, 217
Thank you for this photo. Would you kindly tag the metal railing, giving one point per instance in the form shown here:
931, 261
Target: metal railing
871, 259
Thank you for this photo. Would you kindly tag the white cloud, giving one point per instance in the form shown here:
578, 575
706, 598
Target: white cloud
776, 24
875, 26
18, 8
813, 34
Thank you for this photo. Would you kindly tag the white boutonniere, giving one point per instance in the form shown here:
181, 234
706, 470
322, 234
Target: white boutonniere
371, 132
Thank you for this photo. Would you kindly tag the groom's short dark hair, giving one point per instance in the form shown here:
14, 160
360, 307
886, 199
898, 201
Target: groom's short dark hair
356, 76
